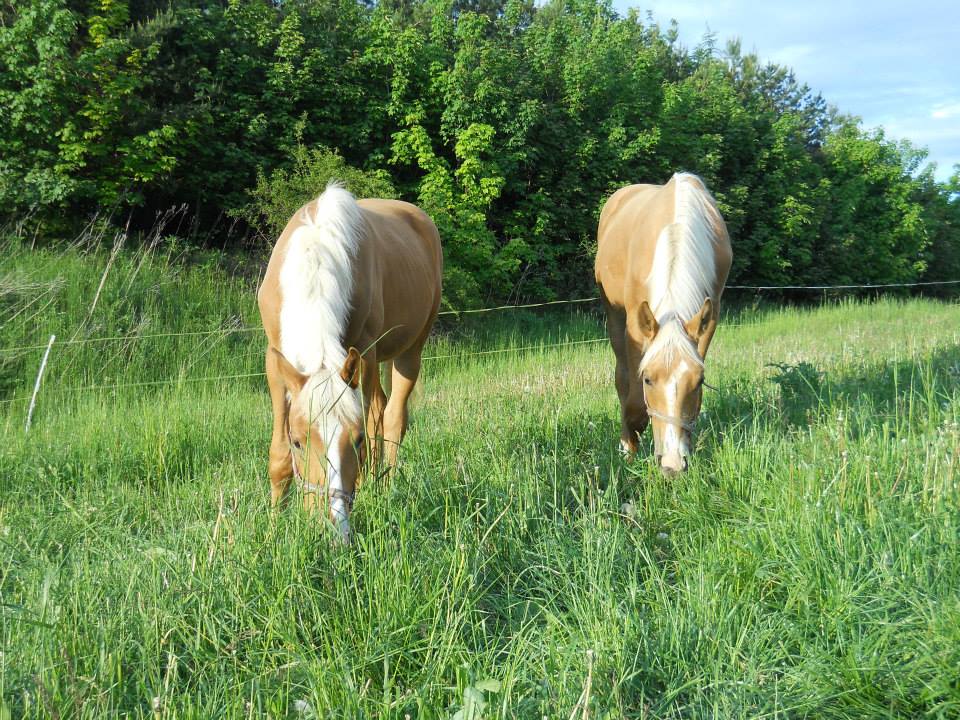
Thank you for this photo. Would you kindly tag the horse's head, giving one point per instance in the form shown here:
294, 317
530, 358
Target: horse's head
671, 373
325, 427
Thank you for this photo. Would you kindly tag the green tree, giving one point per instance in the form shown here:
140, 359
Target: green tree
510, 122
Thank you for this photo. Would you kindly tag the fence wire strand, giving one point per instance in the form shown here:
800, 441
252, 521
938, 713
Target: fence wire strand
184, 380
457, 313
841, 287
225, 331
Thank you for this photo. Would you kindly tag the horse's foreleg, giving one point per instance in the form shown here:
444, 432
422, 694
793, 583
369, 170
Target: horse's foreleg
376, 402
281, 461
633, 415
406, 370
633, 410
634, 420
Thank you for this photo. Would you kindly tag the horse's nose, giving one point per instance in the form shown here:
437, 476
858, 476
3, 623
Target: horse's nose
673, 463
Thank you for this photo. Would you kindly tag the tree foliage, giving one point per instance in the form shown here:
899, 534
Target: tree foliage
510, 123
275, 198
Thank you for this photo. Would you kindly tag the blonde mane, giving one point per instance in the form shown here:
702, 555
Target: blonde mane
684, 267
316, 280
684, 270
327, 400
671, 343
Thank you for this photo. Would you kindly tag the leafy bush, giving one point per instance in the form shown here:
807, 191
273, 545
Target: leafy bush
275, 198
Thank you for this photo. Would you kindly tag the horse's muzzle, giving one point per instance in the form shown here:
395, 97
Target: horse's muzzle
673, 463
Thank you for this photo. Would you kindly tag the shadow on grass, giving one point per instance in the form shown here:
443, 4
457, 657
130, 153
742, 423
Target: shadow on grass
805, 392
797, 396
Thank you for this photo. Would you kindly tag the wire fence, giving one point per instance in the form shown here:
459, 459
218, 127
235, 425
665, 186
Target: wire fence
211, 378
470, 311
225, 331
843, 287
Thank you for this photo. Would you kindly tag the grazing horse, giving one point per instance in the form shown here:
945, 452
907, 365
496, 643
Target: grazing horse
663, 255
350, 284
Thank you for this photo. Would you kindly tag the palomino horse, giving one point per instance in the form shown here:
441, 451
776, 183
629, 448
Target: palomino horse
344, 274
663, 255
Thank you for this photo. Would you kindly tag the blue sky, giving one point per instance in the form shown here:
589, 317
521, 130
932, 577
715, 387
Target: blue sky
895, 64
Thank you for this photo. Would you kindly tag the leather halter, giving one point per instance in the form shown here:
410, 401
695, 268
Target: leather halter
309, 487
687, 425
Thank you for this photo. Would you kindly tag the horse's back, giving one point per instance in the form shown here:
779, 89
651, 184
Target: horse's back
397, 273
632, 195
401, 227
400, 276
630, 227
406, 244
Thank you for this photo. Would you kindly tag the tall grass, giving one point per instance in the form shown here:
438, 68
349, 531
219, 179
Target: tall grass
516, 567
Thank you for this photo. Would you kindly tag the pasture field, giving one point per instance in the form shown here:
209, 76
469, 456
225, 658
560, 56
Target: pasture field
516, 566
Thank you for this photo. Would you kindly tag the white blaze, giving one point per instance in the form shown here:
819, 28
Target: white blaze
674, 440
332, 405
335, 491
336, 494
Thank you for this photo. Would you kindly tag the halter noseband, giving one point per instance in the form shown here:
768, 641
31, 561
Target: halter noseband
687, 425
310, 487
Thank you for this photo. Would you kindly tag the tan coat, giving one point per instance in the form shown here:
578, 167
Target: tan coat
396, 286
637, 222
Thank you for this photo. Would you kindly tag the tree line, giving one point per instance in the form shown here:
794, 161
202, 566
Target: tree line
509, 123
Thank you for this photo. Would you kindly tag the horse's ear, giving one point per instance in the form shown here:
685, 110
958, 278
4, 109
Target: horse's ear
647, 322
350, 372
292, 378
698, 324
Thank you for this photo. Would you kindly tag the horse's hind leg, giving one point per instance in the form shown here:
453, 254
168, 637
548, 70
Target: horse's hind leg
406, 370
281, 462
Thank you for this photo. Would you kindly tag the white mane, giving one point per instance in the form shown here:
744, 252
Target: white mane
683, 272
316, 283
684, 266
670, 343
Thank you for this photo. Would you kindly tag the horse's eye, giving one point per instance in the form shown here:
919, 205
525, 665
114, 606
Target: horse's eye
647, 380
297, 445
359, 440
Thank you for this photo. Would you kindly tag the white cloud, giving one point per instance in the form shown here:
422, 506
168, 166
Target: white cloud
943, 112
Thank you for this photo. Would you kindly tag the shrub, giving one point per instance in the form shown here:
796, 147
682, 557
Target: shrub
275, 197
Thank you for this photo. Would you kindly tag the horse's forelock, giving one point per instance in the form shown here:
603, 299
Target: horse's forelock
670, 343
327, 397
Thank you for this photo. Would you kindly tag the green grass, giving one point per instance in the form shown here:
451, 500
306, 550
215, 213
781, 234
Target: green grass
807, 566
